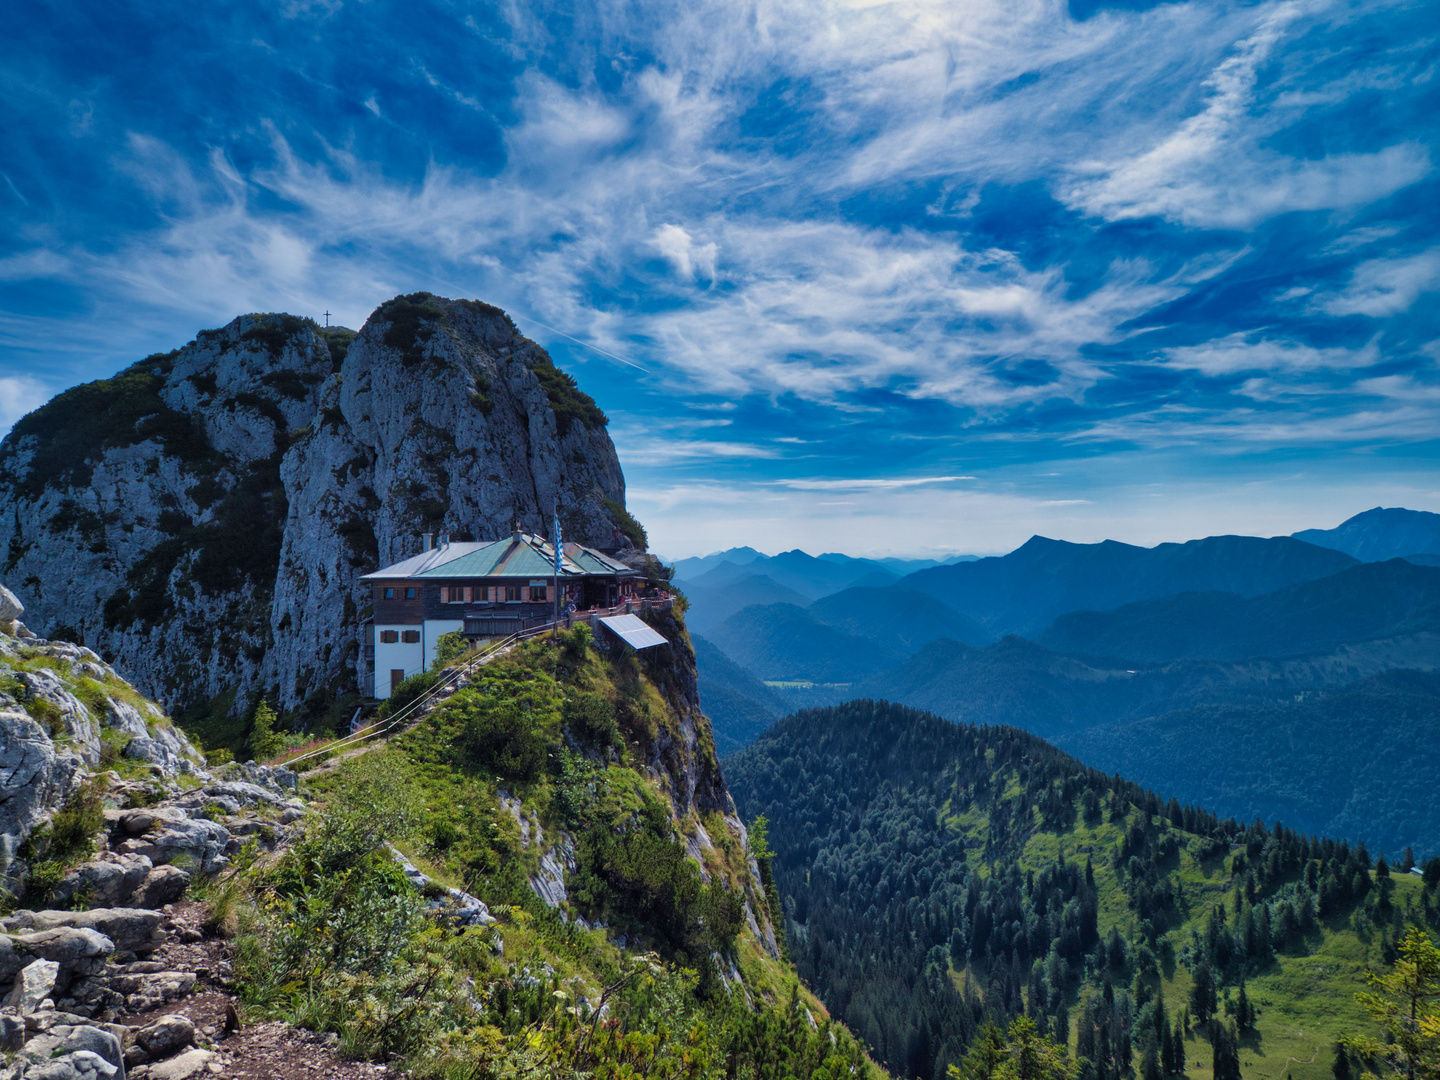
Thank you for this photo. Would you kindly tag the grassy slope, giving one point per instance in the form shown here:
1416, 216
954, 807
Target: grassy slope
465, 838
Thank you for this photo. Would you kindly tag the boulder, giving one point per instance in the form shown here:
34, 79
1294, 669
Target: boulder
164, 834
130, 929
12, 1033
162, 1039
110, 880
164, 885
34, 983
191, 1063
75, 1052
36, 778
161, 753
148, 990
77, 951
10, 605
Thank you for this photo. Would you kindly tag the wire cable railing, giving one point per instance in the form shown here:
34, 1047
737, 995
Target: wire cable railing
418, 707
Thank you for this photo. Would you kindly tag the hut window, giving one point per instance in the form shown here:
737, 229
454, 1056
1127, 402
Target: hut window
537, 592
389, 637
389, 594
410, 637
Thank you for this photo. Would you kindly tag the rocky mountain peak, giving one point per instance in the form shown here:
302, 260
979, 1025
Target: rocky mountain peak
202, 518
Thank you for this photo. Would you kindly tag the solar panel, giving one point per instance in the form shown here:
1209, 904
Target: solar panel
631, 630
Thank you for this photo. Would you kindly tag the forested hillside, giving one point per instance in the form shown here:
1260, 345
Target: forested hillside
936, 875
1358, 761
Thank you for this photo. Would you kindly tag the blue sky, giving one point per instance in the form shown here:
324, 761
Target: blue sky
882, 278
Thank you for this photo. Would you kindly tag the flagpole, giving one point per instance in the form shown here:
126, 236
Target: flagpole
559, 547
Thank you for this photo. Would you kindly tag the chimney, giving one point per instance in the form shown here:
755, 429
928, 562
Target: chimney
516, 533
425, 542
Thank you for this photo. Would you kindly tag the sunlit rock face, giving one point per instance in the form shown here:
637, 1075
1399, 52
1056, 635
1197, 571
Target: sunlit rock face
202, 519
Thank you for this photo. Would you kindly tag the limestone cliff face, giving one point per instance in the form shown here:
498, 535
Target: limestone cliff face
203, 518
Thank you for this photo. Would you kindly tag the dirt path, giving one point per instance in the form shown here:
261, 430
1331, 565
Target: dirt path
260, 1050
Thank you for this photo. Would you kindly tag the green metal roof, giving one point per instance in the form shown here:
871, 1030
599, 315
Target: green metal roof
525, 556
503, 558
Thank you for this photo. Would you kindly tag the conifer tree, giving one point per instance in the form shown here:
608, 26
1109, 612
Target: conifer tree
1202, 993
1406, 1005
265, 741
1226, 1053
1341, 1069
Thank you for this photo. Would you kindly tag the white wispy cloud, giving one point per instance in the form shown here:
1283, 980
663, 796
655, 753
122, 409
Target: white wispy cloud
1380, 287
1250, 352
631, 214
868, 484
1212, 171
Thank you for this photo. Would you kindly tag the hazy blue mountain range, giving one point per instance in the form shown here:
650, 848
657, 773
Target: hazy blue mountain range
1373, 600
1018, 682
897, 617
696, 565
711, 604
1227, 632
1026, 590
739, 705
783, 641
812, 576
802, 573
1382, 533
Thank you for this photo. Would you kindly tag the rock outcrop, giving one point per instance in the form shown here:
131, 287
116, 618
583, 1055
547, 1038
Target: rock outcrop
202, 518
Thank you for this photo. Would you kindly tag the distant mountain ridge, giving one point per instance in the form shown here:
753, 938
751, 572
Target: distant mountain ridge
1380, 534
1146, 641
1026, 590
783, 641
1365, 602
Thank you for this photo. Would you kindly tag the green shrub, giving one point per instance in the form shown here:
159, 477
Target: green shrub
633, 530
449, 648
444, 834
47, 714
67, 840
577, 642
74, 826
410, 690
639, 878
339, 340
411, 320
567, 401
509, 736
265, 741
590, 718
